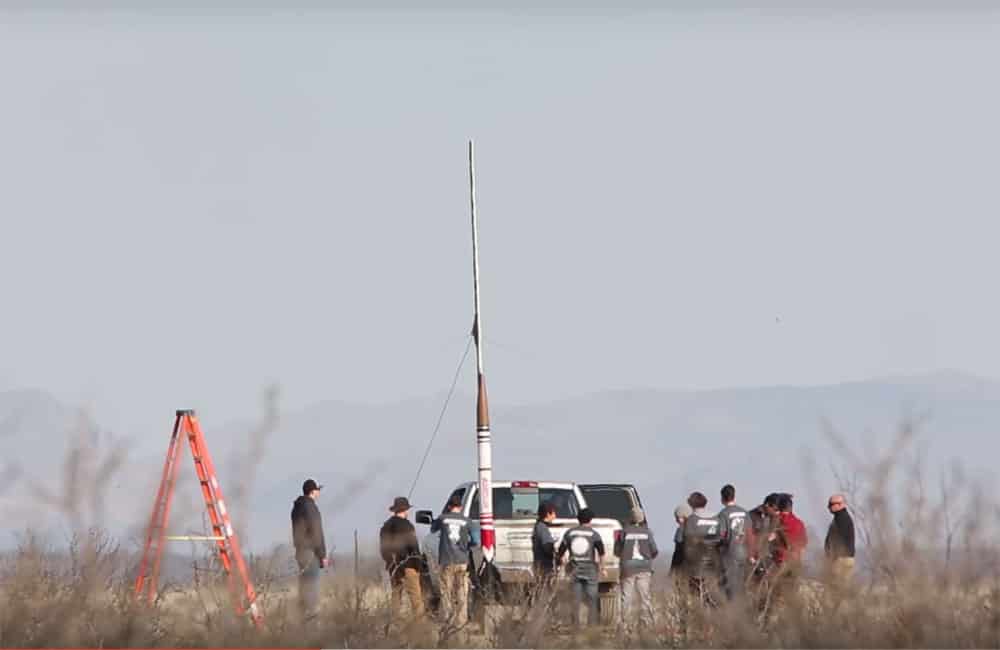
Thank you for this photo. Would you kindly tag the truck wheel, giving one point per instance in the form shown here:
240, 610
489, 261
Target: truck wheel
609, 606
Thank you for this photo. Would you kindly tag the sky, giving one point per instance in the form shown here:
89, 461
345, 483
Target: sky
199, 203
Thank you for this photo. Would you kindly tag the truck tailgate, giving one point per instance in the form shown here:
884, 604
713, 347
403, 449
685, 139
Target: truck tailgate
608, 528
514, 553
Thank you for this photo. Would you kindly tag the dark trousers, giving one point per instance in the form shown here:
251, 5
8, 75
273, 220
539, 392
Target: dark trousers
545, 582
586, 593
734, 577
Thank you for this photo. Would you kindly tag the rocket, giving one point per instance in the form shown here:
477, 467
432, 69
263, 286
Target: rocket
484, 442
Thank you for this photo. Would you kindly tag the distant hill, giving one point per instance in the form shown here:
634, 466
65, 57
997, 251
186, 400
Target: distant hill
666, 442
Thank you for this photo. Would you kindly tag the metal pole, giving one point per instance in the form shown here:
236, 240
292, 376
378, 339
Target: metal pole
483, 437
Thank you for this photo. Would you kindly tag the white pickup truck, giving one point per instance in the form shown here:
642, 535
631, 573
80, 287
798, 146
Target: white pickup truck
515, 510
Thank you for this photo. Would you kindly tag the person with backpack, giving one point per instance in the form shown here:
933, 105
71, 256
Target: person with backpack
734, 544
586, 563
636, 548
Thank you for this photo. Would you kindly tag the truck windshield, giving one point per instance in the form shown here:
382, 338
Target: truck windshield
523, 504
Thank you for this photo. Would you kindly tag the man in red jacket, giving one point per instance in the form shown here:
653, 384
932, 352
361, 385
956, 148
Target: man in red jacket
791, 535
788, 545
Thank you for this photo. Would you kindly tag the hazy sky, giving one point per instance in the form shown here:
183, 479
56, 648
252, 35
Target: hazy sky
196, 204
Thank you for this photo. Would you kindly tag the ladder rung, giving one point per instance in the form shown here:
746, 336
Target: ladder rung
195, 538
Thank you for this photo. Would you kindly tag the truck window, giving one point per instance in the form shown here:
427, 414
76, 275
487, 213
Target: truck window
609, 502
523, 504
460, 493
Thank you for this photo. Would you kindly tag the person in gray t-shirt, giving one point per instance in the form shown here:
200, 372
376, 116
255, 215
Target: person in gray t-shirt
453, 547
636, 547
701, 550
453, 558
734, 523
586, 560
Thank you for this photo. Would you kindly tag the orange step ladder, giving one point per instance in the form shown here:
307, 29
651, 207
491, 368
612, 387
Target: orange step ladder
243, 595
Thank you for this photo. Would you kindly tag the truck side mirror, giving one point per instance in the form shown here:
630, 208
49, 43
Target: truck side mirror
425, 517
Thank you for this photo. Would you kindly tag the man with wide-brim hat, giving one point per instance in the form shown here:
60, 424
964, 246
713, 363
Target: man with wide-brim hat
401, 552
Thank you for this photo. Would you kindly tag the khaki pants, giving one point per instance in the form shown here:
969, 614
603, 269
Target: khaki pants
784, 589
842, 568
455, 594
636, 600
410, 583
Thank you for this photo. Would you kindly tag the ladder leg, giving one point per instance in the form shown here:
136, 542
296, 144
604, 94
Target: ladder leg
228, 543
153, 547
168, 500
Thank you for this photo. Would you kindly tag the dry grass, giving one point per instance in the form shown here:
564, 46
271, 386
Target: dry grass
929, 579
83, 599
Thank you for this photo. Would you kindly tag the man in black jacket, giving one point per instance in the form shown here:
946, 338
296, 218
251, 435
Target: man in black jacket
840, 541
310, 545
401, 552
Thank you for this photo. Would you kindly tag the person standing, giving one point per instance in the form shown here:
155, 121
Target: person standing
636, 547
401, 552
453, 560
586, 558
701, 550
763, 521
733, 544
543, 545
310, 546
681, 513
839, 545
790, 537
788, 544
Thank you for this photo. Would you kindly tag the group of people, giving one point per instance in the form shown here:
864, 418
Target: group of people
399, 549
586, 552
718, 556
733, 550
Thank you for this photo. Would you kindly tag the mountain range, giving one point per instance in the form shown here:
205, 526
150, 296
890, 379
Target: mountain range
667, 443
